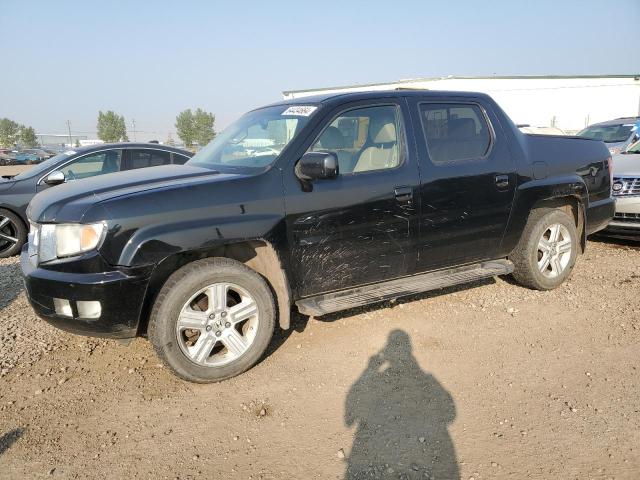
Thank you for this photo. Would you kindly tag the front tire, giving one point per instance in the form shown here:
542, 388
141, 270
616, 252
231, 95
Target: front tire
547, 251
212, 320
13, 234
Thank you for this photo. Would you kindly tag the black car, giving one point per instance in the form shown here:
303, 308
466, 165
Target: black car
17, 191
323, 203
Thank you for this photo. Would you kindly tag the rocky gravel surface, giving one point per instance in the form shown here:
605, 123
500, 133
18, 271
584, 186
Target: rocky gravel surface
23, 338
478, 382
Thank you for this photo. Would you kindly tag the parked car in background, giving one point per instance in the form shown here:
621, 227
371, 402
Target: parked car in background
17, 191
617, 134
541, 130
24, 157
6, 157
41, 153
326, 203
626, 191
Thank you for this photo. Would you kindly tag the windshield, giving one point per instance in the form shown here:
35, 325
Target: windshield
43, 166
256, 139
608, 133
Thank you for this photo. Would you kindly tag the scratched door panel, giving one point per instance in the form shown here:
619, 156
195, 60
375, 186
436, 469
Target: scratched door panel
465, 203
352, 230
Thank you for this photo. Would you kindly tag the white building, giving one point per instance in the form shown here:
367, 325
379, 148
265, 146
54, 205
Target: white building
566, 102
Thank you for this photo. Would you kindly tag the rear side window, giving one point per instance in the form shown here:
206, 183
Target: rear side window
455, 132
148, 158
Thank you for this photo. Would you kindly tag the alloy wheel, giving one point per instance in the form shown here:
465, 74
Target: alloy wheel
8, 234
217, 325
554, 250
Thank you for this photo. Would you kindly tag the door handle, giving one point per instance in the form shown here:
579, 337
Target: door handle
403, 194
502, 181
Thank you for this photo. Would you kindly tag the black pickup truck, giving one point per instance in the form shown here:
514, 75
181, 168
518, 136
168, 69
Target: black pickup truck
323, 203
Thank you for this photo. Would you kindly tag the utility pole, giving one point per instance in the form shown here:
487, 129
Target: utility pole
133, 125
69, 130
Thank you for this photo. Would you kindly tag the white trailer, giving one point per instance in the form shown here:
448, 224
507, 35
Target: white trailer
567, 102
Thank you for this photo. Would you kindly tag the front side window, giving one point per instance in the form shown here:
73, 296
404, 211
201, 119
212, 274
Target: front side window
98, 163
634, 148
148, 158
454, 132
256, 139
364, 139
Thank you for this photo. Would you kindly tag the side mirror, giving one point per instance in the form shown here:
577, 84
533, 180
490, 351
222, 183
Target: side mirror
317, 165
55, 178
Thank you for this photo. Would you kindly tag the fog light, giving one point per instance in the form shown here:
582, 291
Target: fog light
89, 309
62, 307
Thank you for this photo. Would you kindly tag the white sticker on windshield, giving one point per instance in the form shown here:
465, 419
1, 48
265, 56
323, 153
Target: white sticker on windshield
300, 110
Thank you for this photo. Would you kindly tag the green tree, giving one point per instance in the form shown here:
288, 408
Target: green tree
28, 137
111, 127
203, 126
9, 133
185, 128
195, 127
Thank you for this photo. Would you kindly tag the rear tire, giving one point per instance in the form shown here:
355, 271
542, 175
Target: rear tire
13, 234
212, 320
547, 251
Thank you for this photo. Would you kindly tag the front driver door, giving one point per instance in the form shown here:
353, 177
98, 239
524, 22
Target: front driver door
360, 227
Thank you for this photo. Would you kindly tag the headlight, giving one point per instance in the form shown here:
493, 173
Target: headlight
67, 240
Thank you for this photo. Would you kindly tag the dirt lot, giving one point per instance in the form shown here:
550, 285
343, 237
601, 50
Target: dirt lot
487, 381
14, 169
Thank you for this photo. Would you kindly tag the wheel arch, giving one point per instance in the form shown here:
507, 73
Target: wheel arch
259, 255
574, 207
17, 213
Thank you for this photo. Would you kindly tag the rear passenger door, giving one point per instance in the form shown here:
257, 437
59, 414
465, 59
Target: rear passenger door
143, 158
467, 181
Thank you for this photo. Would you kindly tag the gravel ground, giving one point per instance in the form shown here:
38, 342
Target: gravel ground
23, 337
14, 169
478, 382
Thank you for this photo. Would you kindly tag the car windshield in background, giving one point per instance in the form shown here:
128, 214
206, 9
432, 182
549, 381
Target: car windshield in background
607, 133
256, 139
43, 166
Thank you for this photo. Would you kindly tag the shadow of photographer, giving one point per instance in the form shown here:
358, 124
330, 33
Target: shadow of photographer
401, 416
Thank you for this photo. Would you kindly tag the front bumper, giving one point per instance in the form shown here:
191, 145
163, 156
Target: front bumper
121, 293
626, 222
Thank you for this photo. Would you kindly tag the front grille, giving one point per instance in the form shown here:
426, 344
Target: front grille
627, 217
629, 186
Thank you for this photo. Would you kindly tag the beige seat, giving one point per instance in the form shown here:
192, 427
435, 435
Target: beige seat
383, 153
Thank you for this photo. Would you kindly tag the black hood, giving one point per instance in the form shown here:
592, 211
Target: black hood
69, 202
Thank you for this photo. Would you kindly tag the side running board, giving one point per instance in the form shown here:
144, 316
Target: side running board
378, 292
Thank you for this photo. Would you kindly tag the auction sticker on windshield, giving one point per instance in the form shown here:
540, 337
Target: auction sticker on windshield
300, 110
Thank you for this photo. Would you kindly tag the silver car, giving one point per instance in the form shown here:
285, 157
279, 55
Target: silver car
626, 190
617, 134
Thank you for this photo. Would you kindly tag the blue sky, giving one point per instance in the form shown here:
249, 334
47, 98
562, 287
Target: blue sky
148, 60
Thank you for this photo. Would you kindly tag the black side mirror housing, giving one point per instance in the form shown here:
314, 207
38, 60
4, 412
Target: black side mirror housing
317, 166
